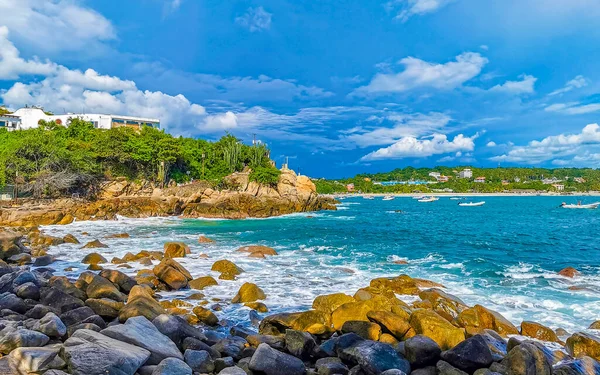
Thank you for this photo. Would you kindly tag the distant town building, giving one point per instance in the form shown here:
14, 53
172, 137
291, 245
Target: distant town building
30, 117
505, 182
559, 187
517, 179
435, 175
580, 180
367, 179
350, 188
443, 178
466, 173
550, 181
480, 180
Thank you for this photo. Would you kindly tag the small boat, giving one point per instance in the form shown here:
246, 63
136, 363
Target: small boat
456, 198
369, 197
388, 198
591, 206
471, 204
428, 199
419, 197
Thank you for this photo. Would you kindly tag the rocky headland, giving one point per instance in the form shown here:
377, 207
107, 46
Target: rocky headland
239, 198
106, 322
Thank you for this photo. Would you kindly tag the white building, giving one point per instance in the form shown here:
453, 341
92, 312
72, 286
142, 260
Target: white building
30, 117
466, 173
10, 122
435, 175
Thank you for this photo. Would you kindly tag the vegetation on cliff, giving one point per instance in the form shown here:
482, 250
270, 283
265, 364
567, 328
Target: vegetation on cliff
54, 160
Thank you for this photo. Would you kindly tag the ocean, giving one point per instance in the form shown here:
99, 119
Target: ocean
504, 255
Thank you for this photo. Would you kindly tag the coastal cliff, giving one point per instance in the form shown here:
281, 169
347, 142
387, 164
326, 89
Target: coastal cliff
241, 198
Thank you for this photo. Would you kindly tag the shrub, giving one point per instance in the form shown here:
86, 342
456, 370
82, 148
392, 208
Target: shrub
265, 176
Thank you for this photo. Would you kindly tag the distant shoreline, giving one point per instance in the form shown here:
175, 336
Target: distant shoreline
410, 195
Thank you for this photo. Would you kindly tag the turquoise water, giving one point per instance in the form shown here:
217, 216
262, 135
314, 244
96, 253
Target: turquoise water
504, 255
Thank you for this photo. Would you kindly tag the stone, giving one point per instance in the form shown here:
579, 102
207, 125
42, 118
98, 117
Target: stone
59, 300
94, 258
119, 279
391, 323
444, 368
429, 370
35, 360
581, 343
176, 250
330, 302
43, 260
172, 273
105, 307
248, 292
232, 371
538, 331
527, 359
91, 353
445, 304
69, 238
257, 251
258, 306
141, 303
206, 316
177, 328
373, 357
223, 363
21, 338
402, 284
469, 355
199, 360
12, 302
202, 282
204, 239
366, 330
275, 342
299, 344
227, 269
497, 345
63, 284
20, 259
28, 291
50, 325
330, 366
421, 351
99, 287
140, 332
478, 318
432, 325
579, 366
273, 362
172, 366
94, 245
569, 272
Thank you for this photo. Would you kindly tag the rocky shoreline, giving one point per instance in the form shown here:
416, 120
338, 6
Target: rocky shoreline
240, 198
105, 322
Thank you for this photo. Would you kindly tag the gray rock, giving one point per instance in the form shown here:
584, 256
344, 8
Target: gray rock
28, 291
444, 368
172, 366
272, 362
92, 327
91, 353
35, 360
429, 370
527, 359
374, 357
230, 347
12, 302
299, 344
176, 328
199, 360
25, 277
55, 372
223, 363
42, 261
21, 338
421, 351
146, 370
496, 344
469, 355
50, 325
139, 331
39, 311
330, 366
579, 366
76, 316
393, 372
59, 300
195, 344
232, 371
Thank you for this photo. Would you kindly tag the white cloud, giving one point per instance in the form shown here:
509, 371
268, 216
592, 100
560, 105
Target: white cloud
411, 147
573, 108
255, 19
557, 147
576, 83
525, 86
422, 74
484, 47
57, 25
491, 144
12, 65
408, 8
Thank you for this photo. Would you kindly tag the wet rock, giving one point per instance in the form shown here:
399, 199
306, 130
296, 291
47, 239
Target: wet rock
299, 344
257, 251
421, 351
444, 368
99, 287
176, 328
328, 303
172, 273
432, 325
248, 292
176, 250
330, 366
21, 338
227, 269
141, 303
445, 304
43, 261
28, 291
258, 306
569, 272
478, 318
202, 282
579, 366
12, 302
106, 308
94, 258
366, 330
20, 259
497, 345
119, 279
69, 238
527, 359
469, 355
204, 239
206, 316
94, 245
118, 235
538, 331
172, 366
140, 332
272, 362
199, 361
35, 360
390, 323
91, 353
581, 343
51, 326
373, 357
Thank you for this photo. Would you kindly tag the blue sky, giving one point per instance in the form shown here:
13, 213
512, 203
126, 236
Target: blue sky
339, 87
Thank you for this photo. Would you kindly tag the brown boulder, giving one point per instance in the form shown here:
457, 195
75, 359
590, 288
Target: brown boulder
202, 282
172, 273
569, 272
583, 344
118, 235
277, 324
258, 306
141, 303
366, 330
94, 245
227, 269
99, 287
391, 323
538, 331
595, 325
176, 250
204, 239
358, 310
206, 316
478, 318
432, 325
93, 258
402, 284
257, 251
329, 302
106, 308
248, 293
445, 304
69, 238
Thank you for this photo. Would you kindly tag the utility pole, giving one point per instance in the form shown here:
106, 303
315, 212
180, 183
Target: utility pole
254, 139
203, 156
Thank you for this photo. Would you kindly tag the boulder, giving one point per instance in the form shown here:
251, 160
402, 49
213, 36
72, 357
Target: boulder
69, 238
51, 326
432, 325
202, 282
569, 272
28, 291
232, 371
43, 260
329, 302
421, 351
176, 250
581, 343
257, 251
444, 368
366, 330
248, 292
140, 332
20, 259
527, 359
258, 306
172, 273
373, 357
469, 355
199, 360
59, 300
269, 361
21, 338
478, 318
227, 269
538, 331
206, 316
390, 323
91, 353
177, 329
118, 235
172, 366
35, 360
94, 245
93, 258
330, 366
119, 279
498, 346
99, 287
579, 366
279, 323
402, 284
141, 303
9, 301
204, 239
445, 304
299, 344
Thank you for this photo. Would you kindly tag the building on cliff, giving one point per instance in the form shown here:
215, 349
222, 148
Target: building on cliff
30, 117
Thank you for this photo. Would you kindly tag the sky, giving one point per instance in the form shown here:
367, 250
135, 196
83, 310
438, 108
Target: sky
337, 87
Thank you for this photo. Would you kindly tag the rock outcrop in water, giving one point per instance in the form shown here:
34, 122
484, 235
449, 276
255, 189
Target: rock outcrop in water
241, 199
106, 322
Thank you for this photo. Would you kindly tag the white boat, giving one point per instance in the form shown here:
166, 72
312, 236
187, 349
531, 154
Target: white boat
369, 197
419, 197
471, 204
428, 199
388, 198
456, 198
591, 206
